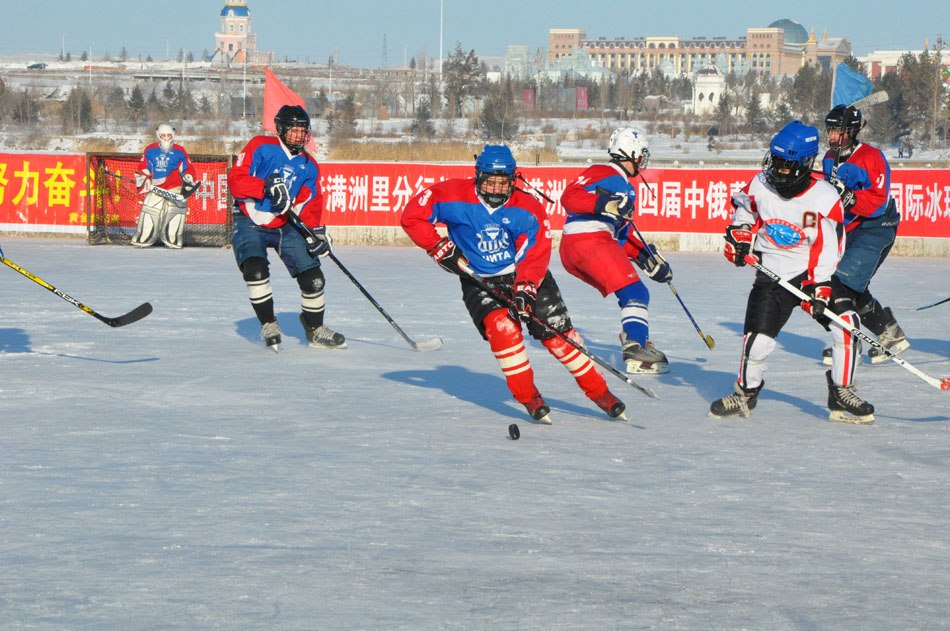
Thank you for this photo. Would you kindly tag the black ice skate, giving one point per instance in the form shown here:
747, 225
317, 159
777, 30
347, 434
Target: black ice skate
846, 406
643, 359
538, 409
893, 339
610, 404
740, 403
270, 333
322, 336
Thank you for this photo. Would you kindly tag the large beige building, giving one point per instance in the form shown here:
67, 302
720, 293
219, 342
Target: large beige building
778, 49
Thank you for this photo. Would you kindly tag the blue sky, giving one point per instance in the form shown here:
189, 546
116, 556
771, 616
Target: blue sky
353, 31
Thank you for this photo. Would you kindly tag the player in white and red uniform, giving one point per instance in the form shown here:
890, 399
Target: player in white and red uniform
790, 221
503, 235
165, 165
862, 176
598, 245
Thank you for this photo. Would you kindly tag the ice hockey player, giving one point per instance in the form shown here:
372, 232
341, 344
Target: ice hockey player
271, 176
164, 165
598, 244
862, 176
503, 235
789, 220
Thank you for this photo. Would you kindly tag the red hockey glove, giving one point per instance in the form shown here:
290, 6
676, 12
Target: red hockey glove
526, 295
820, 296
448, 256
738, 244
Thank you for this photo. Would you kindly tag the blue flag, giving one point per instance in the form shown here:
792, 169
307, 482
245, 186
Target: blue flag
849, 86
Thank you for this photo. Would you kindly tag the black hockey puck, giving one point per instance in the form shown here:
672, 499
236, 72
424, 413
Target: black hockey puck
514, 432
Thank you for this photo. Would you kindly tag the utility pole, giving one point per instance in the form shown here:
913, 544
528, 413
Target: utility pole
938, 90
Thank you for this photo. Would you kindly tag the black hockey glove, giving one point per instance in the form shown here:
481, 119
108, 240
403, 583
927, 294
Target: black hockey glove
848, 198
320, 244
276, 191
738, 244
188, 186
819, 297
654, 265
525, 297
617, 205
448, 256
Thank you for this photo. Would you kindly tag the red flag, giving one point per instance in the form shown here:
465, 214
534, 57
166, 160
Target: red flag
276, 95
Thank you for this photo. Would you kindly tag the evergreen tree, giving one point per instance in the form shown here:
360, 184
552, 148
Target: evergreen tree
422, 126
500, 117
77, 112
462, 76
137, 104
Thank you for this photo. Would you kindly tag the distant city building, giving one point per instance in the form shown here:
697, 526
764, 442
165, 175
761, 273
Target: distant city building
235, 44
780, 49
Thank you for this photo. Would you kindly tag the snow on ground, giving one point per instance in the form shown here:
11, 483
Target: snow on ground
174, 474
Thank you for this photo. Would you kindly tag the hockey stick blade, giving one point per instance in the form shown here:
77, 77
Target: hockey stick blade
127, 318
939, 302
871, 99
425, 346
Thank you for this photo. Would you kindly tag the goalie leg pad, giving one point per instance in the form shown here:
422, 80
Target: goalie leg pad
147, 229
173, 226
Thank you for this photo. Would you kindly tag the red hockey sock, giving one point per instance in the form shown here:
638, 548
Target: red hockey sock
507, 343
580, 366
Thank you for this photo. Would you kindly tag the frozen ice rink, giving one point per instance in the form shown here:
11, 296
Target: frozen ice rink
175, 474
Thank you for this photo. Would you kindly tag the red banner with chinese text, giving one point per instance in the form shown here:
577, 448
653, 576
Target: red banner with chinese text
48, 191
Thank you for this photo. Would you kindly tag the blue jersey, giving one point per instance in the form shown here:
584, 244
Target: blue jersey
515, 237
165, 167
264, 156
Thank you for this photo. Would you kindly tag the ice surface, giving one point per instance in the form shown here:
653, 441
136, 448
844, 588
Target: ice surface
174, 474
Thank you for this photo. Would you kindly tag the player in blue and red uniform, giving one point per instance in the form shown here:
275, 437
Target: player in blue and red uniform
598, 245
503, 235
164, 165
791, 222
862, 176
271, 176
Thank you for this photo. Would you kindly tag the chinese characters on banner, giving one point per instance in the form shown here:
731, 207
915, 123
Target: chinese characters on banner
49, 190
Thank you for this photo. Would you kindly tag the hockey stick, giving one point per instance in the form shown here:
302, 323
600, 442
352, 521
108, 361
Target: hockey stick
942, 384
707, 339
871, 99
177, 198
547, 327
431, 344
939, 302
128, 318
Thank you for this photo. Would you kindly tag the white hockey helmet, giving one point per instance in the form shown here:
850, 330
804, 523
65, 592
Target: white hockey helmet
166, 136
627, 143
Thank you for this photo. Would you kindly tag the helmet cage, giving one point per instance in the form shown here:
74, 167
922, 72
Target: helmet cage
846, 120
495, 161
166, 136
628, 144
287, 118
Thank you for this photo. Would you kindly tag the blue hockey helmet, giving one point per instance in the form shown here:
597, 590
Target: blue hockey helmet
492, 162
792, 153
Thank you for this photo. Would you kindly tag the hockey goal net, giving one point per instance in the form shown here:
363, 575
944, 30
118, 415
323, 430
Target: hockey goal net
113, 202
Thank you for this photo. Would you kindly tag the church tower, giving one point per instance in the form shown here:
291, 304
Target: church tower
235, 43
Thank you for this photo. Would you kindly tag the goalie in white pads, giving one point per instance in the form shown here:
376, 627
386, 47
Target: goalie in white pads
166, 166
791, 222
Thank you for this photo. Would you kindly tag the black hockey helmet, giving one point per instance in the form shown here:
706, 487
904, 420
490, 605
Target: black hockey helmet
847, 120
288, 117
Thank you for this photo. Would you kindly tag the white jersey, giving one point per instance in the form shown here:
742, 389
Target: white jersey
793, 235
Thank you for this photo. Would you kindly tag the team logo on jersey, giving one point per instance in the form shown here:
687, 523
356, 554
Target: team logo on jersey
162, 162
784, 234
493, 243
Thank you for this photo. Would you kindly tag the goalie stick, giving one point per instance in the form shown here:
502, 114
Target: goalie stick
177, 198
941, 384
431, 344
547, 327
128, 318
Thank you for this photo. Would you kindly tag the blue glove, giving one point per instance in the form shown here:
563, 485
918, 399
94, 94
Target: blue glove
320, 244
655, 266
617, 205
276, 191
